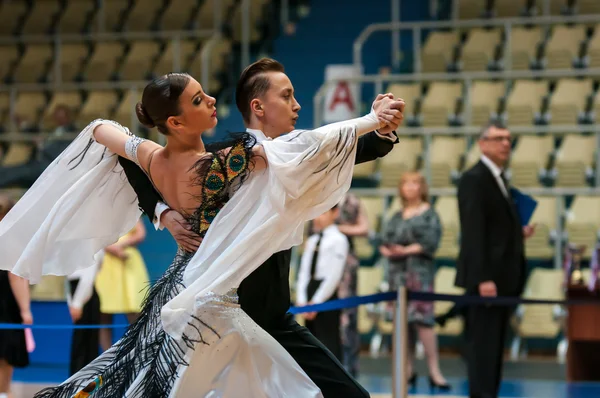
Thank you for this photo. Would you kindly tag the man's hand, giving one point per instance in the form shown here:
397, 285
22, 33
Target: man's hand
181, 230
75, 313
487, 289
390, 112
529, 231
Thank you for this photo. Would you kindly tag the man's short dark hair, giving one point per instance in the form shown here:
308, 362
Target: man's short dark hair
492, 124
254, 83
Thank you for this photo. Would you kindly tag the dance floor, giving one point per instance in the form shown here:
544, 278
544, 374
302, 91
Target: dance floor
379, 386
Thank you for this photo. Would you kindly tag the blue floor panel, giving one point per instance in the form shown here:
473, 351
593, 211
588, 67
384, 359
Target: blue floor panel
382, 385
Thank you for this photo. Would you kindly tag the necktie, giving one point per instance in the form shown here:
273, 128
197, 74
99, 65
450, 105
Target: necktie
313, 266
505, 182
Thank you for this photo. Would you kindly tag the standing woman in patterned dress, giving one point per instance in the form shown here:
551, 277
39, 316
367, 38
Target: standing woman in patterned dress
410, 241
352, 222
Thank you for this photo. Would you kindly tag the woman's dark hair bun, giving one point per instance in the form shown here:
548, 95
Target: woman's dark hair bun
143, 116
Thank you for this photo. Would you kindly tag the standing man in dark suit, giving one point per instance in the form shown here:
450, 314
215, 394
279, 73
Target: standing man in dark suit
265, 97
492, 257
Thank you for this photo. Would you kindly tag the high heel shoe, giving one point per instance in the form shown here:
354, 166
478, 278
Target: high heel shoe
442, 387
412, 380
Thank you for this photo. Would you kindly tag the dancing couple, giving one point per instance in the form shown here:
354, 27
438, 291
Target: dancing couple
201, 333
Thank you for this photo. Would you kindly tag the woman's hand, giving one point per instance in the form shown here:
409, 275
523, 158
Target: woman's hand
26, 317
117, 250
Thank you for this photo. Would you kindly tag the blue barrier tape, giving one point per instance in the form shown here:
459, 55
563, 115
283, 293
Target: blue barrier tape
361, 300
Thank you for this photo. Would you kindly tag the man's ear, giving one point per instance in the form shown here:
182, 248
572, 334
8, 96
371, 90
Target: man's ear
256, 107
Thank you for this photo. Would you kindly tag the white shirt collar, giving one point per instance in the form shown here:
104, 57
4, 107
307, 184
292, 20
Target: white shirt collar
496, 171
332, 228
260, 136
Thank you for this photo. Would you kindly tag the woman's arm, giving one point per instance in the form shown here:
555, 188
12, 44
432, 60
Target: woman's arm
115, 139
20, 288
136, 237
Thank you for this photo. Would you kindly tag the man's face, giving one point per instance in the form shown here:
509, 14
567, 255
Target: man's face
496, 145
279, 106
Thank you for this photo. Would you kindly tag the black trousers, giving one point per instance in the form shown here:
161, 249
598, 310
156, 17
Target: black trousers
85, 342
326, 325
486, 333
324, 369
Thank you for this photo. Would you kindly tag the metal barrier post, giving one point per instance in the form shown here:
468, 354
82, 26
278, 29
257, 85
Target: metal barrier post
400, 345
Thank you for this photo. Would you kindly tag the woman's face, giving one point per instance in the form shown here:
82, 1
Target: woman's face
198, 111
410, 188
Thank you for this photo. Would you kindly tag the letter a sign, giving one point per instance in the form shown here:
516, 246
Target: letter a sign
342, 99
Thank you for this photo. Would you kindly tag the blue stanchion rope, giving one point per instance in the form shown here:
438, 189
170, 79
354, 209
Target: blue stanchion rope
352, 302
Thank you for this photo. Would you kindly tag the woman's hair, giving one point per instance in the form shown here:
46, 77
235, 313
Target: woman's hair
160, 100
422, 182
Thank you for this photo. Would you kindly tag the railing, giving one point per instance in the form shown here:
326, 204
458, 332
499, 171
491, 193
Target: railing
418, 27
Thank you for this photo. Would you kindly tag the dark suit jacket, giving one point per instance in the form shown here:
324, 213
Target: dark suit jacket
264, 294
492, 243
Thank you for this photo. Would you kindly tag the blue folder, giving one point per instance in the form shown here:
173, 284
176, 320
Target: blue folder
525, 205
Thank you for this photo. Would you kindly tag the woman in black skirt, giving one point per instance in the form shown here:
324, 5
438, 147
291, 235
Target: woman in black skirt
14, 308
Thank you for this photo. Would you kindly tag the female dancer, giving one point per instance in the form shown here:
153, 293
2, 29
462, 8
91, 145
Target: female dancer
191, 338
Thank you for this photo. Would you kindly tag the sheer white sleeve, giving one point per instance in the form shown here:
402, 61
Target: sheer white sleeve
308, 172
79, 205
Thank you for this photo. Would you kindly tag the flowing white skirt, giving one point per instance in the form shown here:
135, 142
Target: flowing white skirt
243, 361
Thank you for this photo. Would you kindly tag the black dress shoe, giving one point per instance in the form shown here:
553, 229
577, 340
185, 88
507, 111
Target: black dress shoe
442, 387
412, 380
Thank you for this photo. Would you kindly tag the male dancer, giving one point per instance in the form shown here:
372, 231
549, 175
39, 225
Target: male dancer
265, 97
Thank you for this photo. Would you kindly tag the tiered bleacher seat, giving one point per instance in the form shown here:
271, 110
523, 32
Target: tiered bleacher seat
447, 209
99, 104
9, 56
178, 14
256, 14
142, 16
139, 60
369, 279
217, 63
34, 64
470, 9
574, 158
440, 102
374, 209
524, 101
569, 99
445, 155
71, 61
125, 113
484, 98
563, 46
509, 8
530, 155
18, 153
544, 217
41, 17
444, 284
523, 44
582, 221
438, 50
402, 158
472, 156
30, 106
588, 7
537, 320
593, 49
479, 48
72, 99
77, 17
11, 16
4, 108
114, 13
104, 61
165, 63
206, 14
